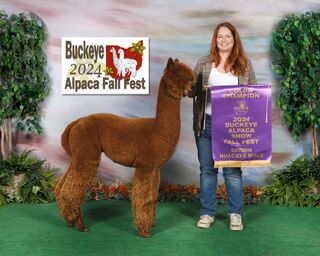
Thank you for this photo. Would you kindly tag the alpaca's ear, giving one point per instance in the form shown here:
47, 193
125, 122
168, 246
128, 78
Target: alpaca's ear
170, 62
176, 60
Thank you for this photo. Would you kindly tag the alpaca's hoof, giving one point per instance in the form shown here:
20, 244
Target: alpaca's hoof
145, 234
70, 224
83, 229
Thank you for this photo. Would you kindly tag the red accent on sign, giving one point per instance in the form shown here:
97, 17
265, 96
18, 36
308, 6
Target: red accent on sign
121, 62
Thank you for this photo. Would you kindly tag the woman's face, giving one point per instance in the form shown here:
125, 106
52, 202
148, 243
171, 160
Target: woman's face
225, 40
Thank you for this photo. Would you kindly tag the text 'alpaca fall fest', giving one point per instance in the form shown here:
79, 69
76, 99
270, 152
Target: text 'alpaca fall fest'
110, 65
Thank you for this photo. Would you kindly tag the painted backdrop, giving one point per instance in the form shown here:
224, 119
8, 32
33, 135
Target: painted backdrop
178, 29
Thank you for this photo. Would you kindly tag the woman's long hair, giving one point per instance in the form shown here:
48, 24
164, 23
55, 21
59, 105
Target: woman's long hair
237, 61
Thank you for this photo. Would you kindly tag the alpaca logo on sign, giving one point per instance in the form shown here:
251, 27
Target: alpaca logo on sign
123, 65
124, 62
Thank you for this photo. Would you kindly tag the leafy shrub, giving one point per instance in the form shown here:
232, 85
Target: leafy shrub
180, 193
251, 194
169, 192
40, 191
3, 198
6, 173
295, 52
222, 194
24, 78
297, 184
35, 182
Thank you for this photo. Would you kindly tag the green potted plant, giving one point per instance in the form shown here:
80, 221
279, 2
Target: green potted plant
295, 54
23, 76
26, 179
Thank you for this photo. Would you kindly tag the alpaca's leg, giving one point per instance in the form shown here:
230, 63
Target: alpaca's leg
142, 200
60, 183
155, 190
123, 71
62, 196
79, 224
58, 189
133, 71
85, 149
118, 70
80, 179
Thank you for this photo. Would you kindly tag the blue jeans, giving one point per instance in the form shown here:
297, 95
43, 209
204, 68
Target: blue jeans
208, 177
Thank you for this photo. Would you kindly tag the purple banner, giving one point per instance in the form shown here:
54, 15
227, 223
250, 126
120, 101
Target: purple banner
241, 125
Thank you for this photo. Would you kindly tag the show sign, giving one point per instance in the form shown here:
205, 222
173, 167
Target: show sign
105, 65
241, 125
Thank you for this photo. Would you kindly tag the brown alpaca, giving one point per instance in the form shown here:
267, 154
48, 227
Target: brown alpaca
143, 143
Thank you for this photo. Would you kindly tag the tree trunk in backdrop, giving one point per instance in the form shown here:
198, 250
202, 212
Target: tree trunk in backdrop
6, 138
315, 148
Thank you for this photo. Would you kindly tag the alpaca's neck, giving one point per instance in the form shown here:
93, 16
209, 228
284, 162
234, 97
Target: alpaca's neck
114, 56
168, 113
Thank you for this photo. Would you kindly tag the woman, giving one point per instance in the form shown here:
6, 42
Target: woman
225, 65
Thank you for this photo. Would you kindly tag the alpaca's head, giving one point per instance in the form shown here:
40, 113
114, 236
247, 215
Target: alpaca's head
179, 78
121, 52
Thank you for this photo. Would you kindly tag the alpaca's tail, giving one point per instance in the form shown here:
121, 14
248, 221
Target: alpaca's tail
65, 137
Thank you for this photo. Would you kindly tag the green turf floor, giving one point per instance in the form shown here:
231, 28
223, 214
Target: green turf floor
36, 229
